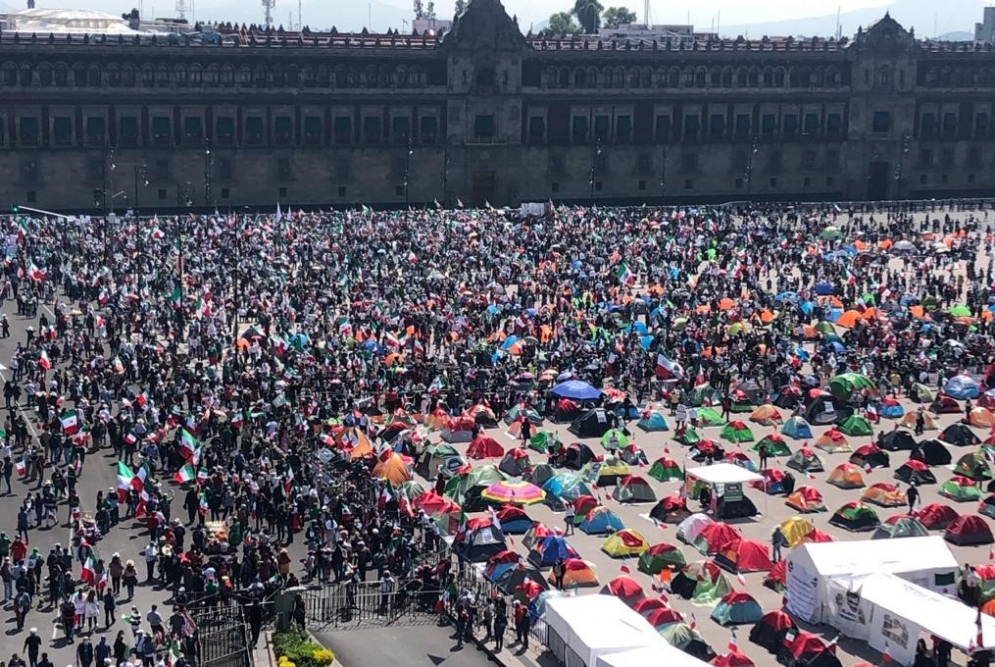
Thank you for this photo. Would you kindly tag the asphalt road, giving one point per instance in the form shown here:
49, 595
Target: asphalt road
409, 646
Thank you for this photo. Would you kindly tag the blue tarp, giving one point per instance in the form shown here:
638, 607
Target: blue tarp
576, 390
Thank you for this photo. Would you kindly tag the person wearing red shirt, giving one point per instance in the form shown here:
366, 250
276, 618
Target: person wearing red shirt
18, 550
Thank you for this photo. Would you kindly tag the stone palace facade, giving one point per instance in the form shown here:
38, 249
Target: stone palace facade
486, 114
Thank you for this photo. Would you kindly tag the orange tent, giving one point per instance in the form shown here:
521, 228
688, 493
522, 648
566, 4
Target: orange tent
917, 311
981, 417
766, 316
361, 444
393, 469
848, 319
727, 304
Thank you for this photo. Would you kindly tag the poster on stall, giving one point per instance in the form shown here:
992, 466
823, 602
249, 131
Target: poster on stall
802, 592
849, 612
894, 635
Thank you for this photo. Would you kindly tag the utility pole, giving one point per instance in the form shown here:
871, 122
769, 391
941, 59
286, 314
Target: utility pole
749, 168
407, 171
594, 164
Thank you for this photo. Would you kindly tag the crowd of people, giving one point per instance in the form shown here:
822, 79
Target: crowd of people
214, 358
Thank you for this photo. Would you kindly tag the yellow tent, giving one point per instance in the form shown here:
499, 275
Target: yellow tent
625, 544
909, 421
794, 529
361, 445
393, 469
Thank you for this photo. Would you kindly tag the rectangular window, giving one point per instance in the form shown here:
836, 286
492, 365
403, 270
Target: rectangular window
601, 127
973, 157
644, 163
663, 128
790, 124
429, 129
62, 131
926, 157
927, 125
812, 124
742, 126
283, 130
343, 130
692, 126
162, 170
623, 129
483, 126
981, 125
881, 122
537, 129
768, 124
225, 134
193, 130
312, 130
161, 131
578, 129
29, 131
127, 135
949, 125
716, 126
225, 193
834, 125
255, 131
400, 129
95, 131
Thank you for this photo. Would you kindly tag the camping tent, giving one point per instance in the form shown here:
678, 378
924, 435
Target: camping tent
690, 528
634, 489
661, 557
915, 472
665, 469
600, 521
591, 424
884, 494
672, 509
960, 435
805, 460
606, 472
744, 556
575, 456
891, 408
806, 499
515, 462
715, 537
961, 387
795, 528
897, 440
926, 561
797, 428
652, 421
441, 457
775, 444
833, 441
577, 574
514, 520
771, 629
479, 541
856, 425
974, 466
900, 526
550, 549
846, 476
936, 516
626, 543
822, 411
967, 530
702, 582
737, 608
727, 482
932, 452
458, 429
766, 415
484, 447
855, 517
613, 439
960, 489
870, 456
737, 431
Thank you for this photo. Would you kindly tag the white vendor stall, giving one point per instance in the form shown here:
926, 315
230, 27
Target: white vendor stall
925, 561
649, 656
581, 628
728, 484
890, 614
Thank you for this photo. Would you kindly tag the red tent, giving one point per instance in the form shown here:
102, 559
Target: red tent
745, 556
664, 616
806, 643
969, 529
431, 502
625, 587
716, 537
647, 605
485, 447
936, 516
777, 578
771, 476
732, 659
510, 513
461, 423
584, 504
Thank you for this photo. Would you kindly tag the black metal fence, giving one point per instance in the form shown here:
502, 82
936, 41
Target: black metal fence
223, 635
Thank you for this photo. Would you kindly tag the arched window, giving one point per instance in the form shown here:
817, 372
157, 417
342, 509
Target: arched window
818, 78
552, 77
727, 78
700, 77
715, 77
93, 77
605, 79
674, 78
646, 77
45, 77
779, 77
400, 76
61, 74
563, 78
162, 76
227, 76
741, 77
180, 77
212, 75
27, 75
385, 76
632, 78
341, 77
113, 75
128, 76
79, 75
688, 78
293, 76
768, 77
323, 76
9, 74
832, 77
618, 78
580, 78
279, 76
754, 79
661, 78
592, 77
259, 76
195, 75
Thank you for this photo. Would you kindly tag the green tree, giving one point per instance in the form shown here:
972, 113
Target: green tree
561, 23
588, 13
616, 16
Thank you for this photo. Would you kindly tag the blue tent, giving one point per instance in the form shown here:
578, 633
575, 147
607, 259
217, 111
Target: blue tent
797, 428
834, 314
601, 520
576, 390
962, 387
508, 342
654, 421
893, 411
823, 288
551, 549
737, 608
498, 571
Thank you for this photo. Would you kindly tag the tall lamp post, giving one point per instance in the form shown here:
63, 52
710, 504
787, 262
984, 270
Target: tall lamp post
407, 170
445, 171
663, 175
595, 156
749, 167
141, 176
899, 168
208, 170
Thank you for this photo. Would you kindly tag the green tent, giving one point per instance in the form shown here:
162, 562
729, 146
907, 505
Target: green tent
737, 431
830, 234
688, 438
960, 310
614, 439
776, 445
681, 635
660, 557
973, 466
843, 385
709, 583
702, 394
960, 489
665, 469
709, 417
856, 425
826, 328
905, 526
460, 486
543, 441
920, 393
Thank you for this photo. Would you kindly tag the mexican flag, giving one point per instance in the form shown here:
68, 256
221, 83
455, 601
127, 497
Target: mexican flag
70, 424
625, 274
44, 361
203, 504
202, 475
188, 445
177, 295
138, 481
185, 474
36, 274
89, 573
20, 467
125, 480
173, 655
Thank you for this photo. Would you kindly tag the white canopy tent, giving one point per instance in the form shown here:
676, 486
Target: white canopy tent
724, 473
581, 628
648, 656
890, 613
926, 561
